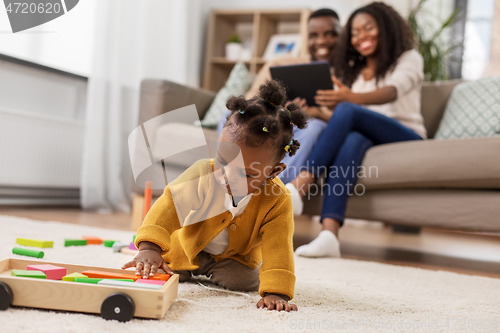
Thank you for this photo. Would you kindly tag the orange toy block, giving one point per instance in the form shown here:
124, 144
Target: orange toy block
108, 275
161, 277
92, 240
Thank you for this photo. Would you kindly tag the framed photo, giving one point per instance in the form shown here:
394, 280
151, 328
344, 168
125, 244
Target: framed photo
280, 45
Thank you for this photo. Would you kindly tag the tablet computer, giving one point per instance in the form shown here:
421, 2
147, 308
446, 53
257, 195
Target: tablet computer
303, 80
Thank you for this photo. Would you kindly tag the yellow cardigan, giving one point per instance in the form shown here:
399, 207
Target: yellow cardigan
262, 233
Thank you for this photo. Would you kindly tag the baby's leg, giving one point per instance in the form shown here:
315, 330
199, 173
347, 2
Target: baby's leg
183, 275
232, 274
229, 273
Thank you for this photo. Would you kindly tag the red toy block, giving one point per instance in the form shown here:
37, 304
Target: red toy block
92, 240
149, 281
52, 272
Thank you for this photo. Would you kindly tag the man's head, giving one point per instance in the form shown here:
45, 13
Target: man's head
323, 31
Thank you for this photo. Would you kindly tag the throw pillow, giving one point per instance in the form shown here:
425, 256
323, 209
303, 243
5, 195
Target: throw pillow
472, 111
237, 84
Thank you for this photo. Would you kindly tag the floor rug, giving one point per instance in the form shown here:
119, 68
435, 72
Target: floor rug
333, 295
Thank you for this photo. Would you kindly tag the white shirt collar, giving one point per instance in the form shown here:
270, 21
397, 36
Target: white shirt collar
240, 206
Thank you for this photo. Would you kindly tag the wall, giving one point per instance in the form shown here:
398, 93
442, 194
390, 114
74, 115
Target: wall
494, 66
65, 43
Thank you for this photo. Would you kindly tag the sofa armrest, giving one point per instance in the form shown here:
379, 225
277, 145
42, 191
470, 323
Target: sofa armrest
160, 96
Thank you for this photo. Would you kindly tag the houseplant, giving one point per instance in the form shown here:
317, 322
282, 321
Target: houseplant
435, 51
233, 47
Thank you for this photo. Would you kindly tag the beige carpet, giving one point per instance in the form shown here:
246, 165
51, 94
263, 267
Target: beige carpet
332, 295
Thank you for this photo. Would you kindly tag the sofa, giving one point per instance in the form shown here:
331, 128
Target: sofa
447, 184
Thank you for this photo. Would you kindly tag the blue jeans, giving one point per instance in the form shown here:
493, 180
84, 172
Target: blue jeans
307, 137
339, 151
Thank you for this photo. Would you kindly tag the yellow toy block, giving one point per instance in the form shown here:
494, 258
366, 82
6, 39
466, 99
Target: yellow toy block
34, 242
71, 277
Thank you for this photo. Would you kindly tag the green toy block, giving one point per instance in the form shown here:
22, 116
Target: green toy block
75, 242
95, 280
71, 277
25, 273
28, 252
133, 239
109, 243
87, 280
34, 242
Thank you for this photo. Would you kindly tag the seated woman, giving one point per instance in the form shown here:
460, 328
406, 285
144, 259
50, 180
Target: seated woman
377, 100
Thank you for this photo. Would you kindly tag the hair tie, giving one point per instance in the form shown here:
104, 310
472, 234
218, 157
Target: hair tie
241, 111
287, 148
265, 129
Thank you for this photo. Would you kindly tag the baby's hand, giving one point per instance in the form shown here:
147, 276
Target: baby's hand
147, 262
276, 302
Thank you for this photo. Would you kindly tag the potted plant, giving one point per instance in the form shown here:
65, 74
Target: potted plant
233, 47
435, 52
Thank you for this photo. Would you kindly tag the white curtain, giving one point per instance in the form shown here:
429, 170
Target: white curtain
135, 39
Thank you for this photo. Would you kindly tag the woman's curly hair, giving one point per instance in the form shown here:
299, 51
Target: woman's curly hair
264, 118
395, 37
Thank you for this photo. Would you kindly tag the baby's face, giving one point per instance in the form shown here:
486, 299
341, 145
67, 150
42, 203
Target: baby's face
242, 170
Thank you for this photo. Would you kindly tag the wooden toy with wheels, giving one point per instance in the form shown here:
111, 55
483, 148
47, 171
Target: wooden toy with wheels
120, 302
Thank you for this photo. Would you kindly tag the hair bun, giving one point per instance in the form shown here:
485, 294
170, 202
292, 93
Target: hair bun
299, 118
273, 92
237, 103
294, 146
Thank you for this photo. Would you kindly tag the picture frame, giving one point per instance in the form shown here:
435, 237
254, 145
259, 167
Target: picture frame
282, 44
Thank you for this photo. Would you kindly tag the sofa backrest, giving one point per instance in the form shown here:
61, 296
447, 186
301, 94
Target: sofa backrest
160, 96
435, 95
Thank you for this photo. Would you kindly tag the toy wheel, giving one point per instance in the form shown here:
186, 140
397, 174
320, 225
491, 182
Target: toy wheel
119, 307
6, 296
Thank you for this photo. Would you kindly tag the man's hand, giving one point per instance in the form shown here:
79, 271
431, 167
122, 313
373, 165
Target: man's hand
321, 112
148, 260
276, 302
330, 98
301, 102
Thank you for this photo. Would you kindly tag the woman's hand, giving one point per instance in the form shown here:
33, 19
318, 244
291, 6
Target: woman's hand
276, 302
148, 260
330, 98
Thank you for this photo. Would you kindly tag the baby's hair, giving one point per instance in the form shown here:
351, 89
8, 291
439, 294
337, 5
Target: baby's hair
264, 118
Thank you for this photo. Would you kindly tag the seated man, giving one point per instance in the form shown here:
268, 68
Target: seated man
323, 30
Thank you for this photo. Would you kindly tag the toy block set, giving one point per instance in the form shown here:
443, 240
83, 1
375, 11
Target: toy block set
127, 248
113, 293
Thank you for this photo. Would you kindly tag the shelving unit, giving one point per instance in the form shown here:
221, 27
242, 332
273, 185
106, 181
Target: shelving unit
262, 25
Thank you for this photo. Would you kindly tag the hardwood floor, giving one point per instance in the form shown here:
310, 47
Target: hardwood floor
119, 221
467, 253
